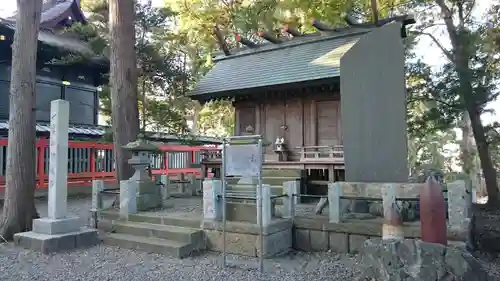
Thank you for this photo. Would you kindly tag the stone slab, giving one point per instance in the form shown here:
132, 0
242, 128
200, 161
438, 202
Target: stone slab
47, 244
56, 226
249, 244
339, 242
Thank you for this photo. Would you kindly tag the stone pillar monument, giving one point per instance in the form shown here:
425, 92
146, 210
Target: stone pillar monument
58, 231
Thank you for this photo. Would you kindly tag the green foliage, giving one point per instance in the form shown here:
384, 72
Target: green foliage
163, 78
216, 119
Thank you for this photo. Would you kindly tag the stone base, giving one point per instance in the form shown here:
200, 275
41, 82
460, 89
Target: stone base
56, 226
244, 212
57, 242
243, 238
148, 196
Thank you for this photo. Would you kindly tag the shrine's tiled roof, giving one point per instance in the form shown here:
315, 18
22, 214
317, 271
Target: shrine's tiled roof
301, 59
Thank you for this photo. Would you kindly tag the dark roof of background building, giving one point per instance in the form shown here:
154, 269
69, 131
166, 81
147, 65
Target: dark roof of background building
48, 37
54, 11
97, 131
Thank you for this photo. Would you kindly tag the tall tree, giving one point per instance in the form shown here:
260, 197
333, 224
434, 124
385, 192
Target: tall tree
19, 206
467, 82
123, 82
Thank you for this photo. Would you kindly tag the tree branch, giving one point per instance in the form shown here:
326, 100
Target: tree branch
427, 99
446, 52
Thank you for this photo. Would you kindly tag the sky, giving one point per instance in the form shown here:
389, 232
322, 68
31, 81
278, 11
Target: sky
426, 49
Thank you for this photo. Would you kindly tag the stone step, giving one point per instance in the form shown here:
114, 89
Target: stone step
170, 232
149, 244
182, 221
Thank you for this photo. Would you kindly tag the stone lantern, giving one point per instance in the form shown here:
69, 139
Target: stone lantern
148, 192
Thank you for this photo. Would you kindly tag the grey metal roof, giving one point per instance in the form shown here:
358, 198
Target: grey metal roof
297, 60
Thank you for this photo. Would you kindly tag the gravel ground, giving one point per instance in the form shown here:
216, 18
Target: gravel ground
111, 263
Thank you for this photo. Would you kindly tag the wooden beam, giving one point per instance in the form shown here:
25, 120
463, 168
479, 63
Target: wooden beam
375, 11
293, 31
269, 37
220, 40
321, 26
245, 41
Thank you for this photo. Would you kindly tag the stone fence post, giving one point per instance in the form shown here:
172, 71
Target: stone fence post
97, 204
458, 204
212, 205
392, 229
164, 188
291, 188
266, 204
128, 198
334, 206
191, 188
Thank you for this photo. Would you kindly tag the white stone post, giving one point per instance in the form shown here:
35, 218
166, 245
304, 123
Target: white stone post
128, 198
57, 221
211, 203
289, 202
457, 204
393, 224
164, 188
58, 159
266, 205
334, 206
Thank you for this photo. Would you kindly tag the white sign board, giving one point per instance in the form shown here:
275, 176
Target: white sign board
243, 160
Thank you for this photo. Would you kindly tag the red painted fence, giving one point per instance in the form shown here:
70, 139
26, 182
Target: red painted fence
94, 160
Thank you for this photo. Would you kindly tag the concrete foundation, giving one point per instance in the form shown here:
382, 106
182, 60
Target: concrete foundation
47, 244
243, 238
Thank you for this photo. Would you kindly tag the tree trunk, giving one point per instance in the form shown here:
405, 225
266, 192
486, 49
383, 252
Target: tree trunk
460, 57
19, 206
124, 100
467, 154
489, 173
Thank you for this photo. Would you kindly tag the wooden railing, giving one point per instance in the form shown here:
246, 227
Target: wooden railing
94, 160
334, 154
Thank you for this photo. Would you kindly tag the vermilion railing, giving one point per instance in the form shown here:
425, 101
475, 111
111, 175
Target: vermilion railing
94, 160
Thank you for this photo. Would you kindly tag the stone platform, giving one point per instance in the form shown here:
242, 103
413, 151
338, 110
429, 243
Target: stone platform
53, 235
50, 243
243, 238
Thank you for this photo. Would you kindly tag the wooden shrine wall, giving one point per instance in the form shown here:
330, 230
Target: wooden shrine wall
301, 121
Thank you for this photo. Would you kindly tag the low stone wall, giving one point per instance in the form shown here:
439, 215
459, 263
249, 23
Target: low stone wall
316, 235
243, 238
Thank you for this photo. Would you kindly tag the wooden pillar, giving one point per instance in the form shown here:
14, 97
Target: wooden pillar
237, 131
313, 123
258, 128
